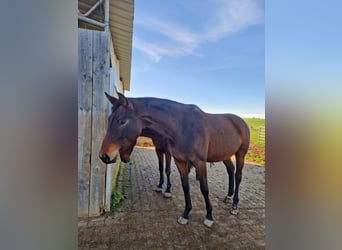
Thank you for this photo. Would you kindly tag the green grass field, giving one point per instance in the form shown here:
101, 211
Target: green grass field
256, 152
254, 124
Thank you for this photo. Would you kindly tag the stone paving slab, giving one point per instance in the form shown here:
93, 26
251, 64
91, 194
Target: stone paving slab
147, 220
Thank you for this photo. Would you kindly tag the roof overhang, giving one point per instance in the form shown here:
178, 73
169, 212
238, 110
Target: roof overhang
115, 16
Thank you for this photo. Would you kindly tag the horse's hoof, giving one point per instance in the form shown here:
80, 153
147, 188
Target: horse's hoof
227, 199
234, 211
158, 189
182, 220
208, 223
167, 195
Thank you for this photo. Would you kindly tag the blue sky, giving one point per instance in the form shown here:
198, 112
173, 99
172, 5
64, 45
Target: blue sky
210, 53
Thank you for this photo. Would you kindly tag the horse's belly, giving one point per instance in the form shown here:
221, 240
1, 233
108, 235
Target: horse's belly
219, 156
222, 150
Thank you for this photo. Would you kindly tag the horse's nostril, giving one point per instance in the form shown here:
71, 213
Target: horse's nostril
105, 158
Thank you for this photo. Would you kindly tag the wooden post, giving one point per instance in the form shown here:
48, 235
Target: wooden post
85, 40
99, 120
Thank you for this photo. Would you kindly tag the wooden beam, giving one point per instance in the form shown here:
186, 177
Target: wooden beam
99, 120
85, 41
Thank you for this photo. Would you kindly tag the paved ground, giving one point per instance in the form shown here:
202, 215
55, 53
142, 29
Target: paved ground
146, 220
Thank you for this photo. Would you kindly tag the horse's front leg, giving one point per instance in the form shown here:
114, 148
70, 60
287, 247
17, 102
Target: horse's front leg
160, 156
167, 193
201, 171
183, 170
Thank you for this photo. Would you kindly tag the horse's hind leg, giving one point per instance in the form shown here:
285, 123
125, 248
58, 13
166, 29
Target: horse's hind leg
160, 156
240, 161
167, 193
230, 170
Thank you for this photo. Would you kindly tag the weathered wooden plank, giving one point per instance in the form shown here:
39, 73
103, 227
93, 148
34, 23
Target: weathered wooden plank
108, 191
110, 167
84, 118
99, 120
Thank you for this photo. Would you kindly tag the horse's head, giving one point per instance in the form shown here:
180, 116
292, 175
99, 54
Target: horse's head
124, 127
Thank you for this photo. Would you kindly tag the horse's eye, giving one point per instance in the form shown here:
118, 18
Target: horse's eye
122, 122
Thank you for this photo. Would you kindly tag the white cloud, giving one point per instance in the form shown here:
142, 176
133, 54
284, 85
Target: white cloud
261, 116
149, 49
232, 16
229, 17
156, 51
170, 30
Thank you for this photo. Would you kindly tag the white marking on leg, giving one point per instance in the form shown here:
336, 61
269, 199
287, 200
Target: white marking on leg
208, 223
182, 220
234, 211
167, 195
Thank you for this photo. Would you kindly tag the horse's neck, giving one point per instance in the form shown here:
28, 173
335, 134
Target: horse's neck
154, 120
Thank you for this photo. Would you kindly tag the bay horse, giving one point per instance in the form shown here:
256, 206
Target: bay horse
192, 136
161, 149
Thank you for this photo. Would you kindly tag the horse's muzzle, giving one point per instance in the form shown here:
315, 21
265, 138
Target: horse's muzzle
124, 160
105, 158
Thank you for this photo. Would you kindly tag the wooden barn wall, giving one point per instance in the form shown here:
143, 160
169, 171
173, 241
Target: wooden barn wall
93, 81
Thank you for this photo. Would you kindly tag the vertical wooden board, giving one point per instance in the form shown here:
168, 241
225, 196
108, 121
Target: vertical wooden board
84, 118
108, 185
99, 119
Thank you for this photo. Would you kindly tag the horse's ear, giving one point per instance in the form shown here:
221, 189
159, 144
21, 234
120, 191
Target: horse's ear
123, 99
112, 99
